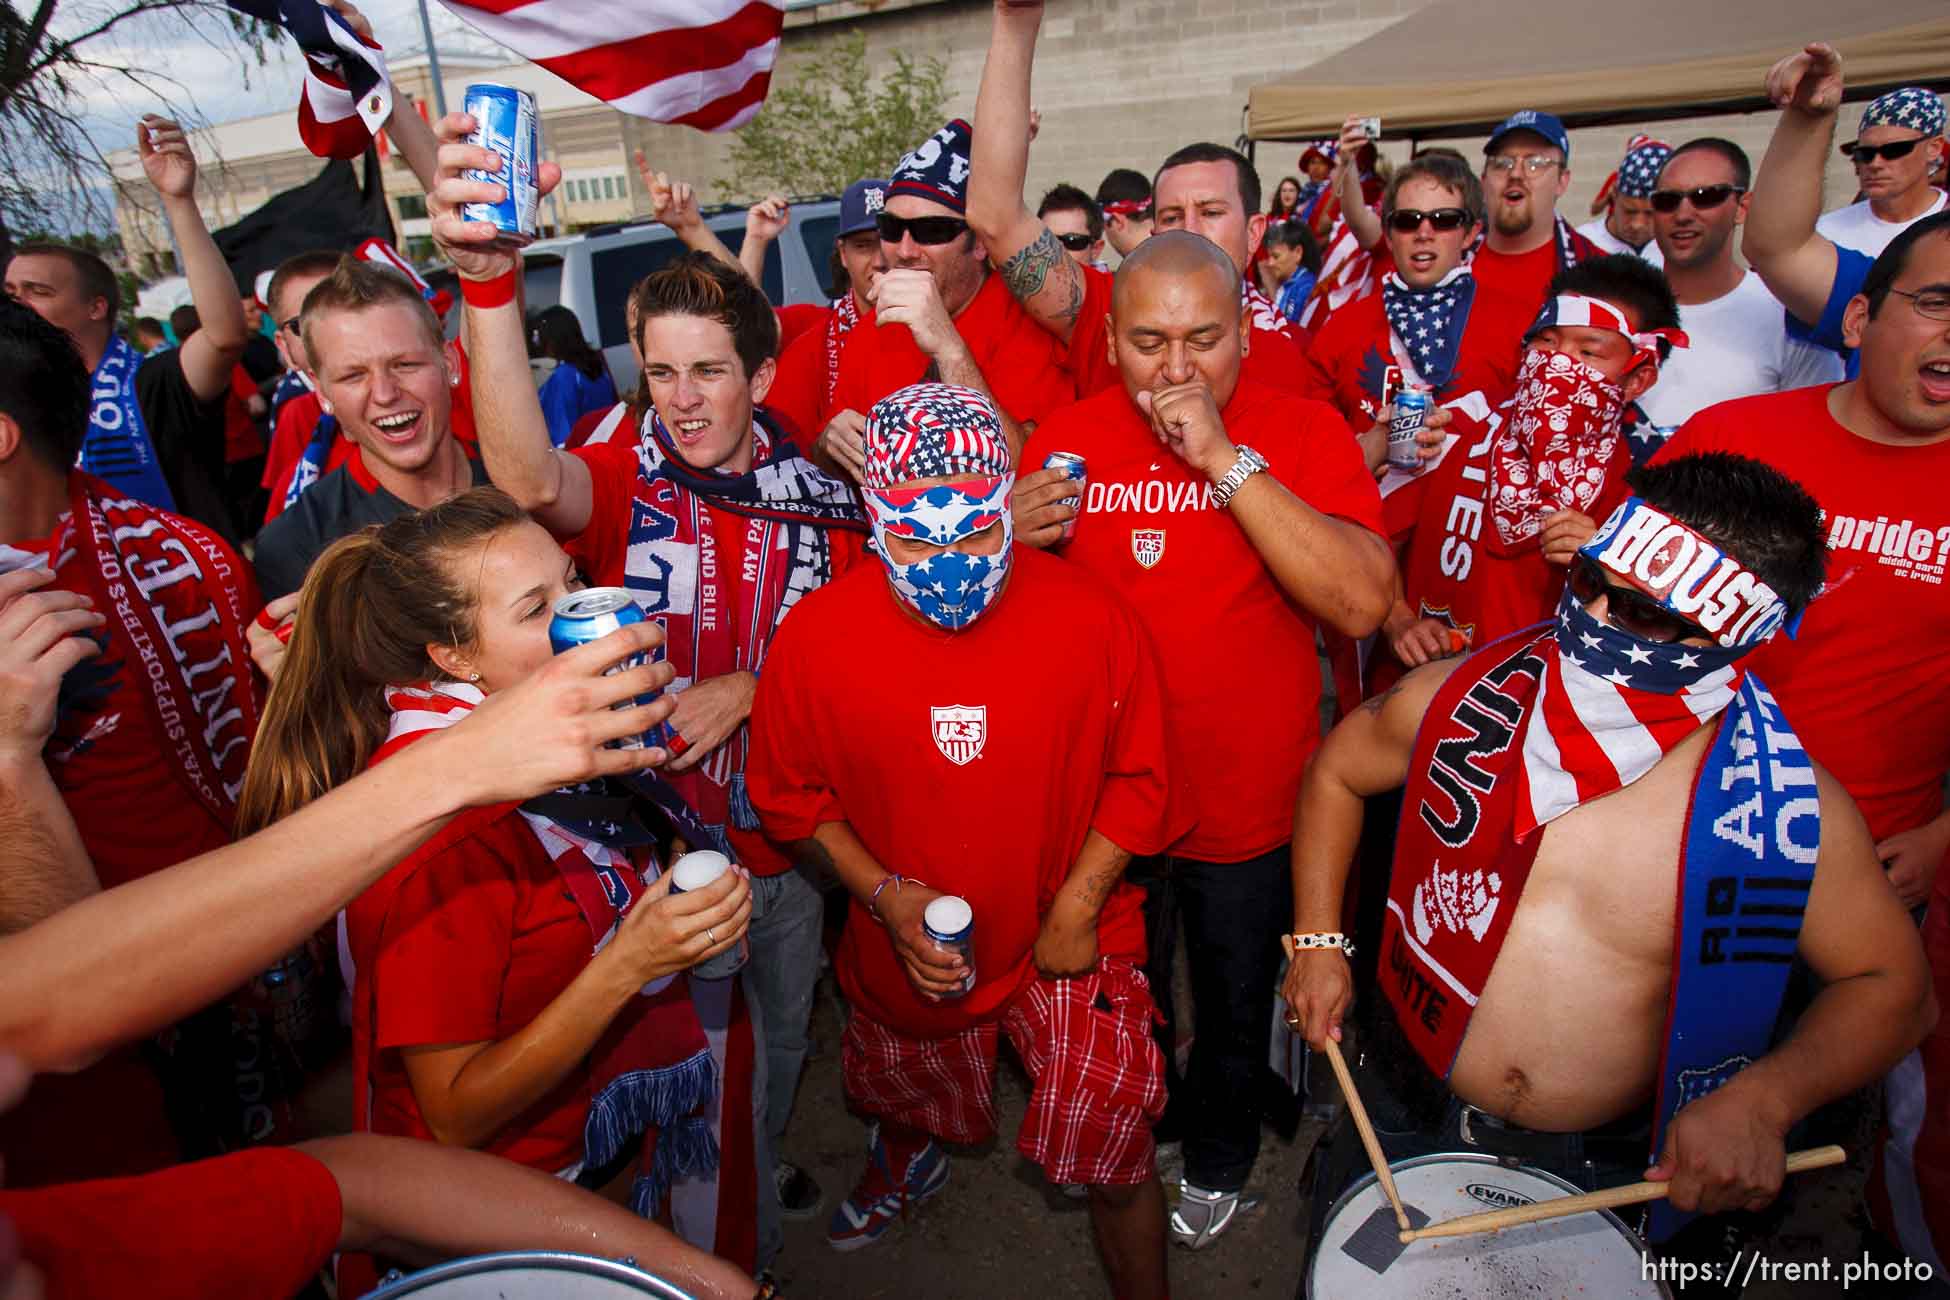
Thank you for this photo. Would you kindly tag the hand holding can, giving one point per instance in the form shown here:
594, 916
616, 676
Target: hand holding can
1072, 467
949, 924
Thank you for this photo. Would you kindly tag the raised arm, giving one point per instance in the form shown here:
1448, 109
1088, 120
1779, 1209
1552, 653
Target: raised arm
674, 203
1363, 220
43, 633
1043, 278
211, 352
1796, 264
1725, 1151
122, 963
765, 221
550, 484
1367, 754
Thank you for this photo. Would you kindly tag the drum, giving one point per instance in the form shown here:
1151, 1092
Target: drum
1580, 1255
519, 1274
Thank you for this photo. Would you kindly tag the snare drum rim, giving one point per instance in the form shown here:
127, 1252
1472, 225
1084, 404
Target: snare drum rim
559, 1260
1368, 1180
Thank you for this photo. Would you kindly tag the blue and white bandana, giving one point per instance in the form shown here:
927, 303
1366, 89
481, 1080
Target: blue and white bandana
1430, 322
1912, 108
1638, 173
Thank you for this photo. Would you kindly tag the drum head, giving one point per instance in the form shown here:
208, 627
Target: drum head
1583, 1254
521, 1274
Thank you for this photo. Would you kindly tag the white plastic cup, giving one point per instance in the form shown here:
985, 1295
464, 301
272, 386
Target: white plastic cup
695, 871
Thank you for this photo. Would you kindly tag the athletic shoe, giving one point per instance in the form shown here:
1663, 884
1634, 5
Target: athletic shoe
878, 1201
1202, 1216
799, 1193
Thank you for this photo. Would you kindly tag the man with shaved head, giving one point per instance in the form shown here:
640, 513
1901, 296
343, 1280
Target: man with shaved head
1234, 518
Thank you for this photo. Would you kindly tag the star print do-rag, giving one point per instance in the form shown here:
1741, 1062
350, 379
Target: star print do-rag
1912, 108
935, 431
1430, 321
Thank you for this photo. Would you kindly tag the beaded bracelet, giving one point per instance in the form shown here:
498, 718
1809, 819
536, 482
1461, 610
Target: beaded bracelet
1324, 939
873, 902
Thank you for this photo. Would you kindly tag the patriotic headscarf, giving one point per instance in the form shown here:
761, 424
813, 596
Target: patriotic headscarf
938, 168
1638, 171
1912, 108
934, 431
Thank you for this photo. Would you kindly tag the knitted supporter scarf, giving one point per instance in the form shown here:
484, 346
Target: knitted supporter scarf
650, 1073
175, 597
680, 580
311, 463
117, 446
1430, 322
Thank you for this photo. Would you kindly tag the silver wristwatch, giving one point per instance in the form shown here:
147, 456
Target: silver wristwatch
1249, 463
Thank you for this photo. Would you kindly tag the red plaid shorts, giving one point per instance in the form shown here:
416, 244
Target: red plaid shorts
1099, 1082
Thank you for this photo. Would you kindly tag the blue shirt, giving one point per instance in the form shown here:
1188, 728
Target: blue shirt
567, 395
1851, 270
1293, 294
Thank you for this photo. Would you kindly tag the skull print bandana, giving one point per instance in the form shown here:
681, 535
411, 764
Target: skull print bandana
1552, 452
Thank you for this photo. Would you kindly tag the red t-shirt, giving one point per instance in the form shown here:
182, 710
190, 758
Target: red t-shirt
602, 549
1242, 682
1866, 684
1521, 277
1273, 357
798, 393
799, 319
468, 944
1019, 359
241, 439
975, 761
257, 1223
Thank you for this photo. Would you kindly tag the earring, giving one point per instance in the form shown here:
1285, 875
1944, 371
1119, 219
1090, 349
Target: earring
473, 677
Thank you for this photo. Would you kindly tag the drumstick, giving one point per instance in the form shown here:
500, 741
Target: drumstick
1631, 1194
1360, 1115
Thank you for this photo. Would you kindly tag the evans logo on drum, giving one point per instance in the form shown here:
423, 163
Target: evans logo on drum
1497, 1198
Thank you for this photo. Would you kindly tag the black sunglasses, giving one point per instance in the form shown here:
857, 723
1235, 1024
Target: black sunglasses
1702, 197
1076, 243
290, 327
1628, 609
926, 230
1407, 221
1858, 153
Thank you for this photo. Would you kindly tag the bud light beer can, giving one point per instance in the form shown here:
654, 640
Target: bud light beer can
695, 871
949, 923
1073, 469
1411, 414
591, 614
505, 121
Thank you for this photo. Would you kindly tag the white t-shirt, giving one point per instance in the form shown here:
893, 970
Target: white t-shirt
1739, 348
1856, 227
1595, 231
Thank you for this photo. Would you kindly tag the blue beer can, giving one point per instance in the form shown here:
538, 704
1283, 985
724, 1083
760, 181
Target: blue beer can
1074, 469
1411, 414
949, 923
505, 121
591, 614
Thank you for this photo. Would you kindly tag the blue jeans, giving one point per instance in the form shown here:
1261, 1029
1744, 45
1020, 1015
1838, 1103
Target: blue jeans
1233, 915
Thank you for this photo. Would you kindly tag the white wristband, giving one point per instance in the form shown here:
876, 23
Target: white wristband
1324, 939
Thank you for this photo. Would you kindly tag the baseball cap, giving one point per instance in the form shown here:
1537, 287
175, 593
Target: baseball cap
1536, 122
860, 204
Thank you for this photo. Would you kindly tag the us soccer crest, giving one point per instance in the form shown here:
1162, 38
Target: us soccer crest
1147, 546
960, 731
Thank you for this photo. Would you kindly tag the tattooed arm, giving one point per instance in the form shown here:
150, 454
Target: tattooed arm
1043, 278
1068, 942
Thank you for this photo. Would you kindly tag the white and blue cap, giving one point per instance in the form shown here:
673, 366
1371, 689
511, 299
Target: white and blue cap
1538, 123
1912, 108
861, 205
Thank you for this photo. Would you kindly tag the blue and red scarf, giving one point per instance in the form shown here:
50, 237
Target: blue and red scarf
117, 447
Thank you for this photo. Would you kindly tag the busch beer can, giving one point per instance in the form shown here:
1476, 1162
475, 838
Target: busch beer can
695, 871
1411, 413
949, 923
591, 614
505, 121
1073, 469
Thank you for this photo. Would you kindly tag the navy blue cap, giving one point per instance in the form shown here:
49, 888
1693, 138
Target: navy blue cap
1538, 123
860, 204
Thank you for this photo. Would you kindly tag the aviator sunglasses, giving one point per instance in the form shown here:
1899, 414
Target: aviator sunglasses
1407, 221
1702, 198
1629, 609
926, 230
1859, 154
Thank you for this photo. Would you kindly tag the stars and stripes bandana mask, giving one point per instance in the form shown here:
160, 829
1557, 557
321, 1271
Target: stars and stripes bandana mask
1429, 322
932, 431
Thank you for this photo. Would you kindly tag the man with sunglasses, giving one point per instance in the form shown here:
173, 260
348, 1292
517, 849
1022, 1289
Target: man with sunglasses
938, 312
1898, 144
1564, 786
1077, 224
1526, 170
1738, 343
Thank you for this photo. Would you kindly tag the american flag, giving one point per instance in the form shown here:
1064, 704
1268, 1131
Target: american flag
701, 63
1610, 706
346, 96
1346, 274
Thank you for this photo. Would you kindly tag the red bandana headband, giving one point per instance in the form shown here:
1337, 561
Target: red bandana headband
1126, 207
1576, 309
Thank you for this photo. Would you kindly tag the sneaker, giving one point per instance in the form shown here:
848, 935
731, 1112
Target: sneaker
878, 1201
799, 1193
1202, 1216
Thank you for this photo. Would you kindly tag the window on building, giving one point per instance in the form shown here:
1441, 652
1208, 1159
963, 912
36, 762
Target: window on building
412, 207
609, 187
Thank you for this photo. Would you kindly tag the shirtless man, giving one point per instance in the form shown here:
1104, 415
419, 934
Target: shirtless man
1532, 972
